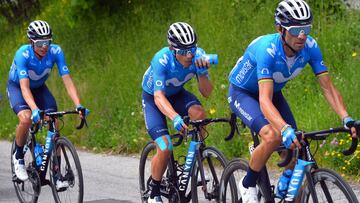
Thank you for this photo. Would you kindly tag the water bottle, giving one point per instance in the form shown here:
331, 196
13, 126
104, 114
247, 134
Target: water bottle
283, 184
296, 180
212, 58
38, 150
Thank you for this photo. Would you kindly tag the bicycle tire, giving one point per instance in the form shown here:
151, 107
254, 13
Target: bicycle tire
144, 183
69, 158
228, 177
340, 192
172, 194
33, 183
210, 169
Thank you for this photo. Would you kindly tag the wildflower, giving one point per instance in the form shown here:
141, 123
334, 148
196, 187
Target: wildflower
222, 86
212, 111
353, 54
334, 142
343, 168
322, 144
135, 140
132, 113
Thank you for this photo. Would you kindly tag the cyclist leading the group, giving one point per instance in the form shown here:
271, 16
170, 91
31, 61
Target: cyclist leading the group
26, 88
164, 95
268, 63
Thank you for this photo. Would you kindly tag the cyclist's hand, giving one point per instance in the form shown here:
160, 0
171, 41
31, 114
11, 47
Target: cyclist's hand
289, 137
81, 109
348, 122
178, 123
35, 115
201, 66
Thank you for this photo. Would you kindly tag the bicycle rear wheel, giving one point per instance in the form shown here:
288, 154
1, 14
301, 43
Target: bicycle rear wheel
65, 167
27, 191
213, 162
329, 187
147, 154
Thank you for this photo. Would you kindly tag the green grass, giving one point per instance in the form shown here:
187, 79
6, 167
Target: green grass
109, 48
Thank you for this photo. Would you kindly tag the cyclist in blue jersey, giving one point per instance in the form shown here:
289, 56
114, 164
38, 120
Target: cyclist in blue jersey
26, 88
268, 63
164, 95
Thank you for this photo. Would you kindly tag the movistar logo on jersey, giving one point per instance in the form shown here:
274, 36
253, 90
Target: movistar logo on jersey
175, 82
56, 50
280, 78
272, 50
245, 69
26, 54
311, 43
163, 61
34, 76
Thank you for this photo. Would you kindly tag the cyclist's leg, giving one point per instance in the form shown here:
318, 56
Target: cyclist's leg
22, 110
281, 104
246, 106
186, 104
155, 123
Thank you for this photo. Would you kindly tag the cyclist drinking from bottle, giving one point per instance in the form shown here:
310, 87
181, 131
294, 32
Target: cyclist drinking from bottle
27, 90
268, 63
164, 95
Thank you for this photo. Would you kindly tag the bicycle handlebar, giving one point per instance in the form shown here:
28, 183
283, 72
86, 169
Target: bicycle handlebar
58, 114
322, 135
198, 123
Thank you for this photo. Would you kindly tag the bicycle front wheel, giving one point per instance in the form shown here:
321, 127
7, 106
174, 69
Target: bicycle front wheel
65, 173
213, 163
329, 187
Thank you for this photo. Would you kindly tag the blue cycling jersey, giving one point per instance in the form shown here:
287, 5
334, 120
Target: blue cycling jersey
27, 65
167, 74
265, 59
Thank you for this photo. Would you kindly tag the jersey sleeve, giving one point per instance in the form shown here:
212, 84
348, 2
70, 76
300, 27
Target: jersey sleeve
316, 60
20, 62
264, 59
158, 65
57, 52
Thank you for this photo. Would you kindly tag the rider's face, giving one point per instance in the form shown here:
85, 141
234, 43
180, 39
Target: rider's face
295, 42
40, 50
185, 60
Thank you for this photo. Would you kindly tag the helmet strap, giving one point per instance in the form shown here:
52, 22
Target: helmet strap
283, 33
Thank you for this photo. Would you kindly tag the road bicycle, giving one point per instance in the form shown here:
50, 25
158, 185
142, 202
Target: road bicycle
59, 157
320, 185
202, 166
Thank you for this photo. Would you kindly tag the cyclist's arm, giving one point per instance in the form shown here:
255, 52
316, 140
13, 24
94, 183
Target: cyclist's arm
71, 89
164, 105
205, 85
266, 90
332, 95
26, 92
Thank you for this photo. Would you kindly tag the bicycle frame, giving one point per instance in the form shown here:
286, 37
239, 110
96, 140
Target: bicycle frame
48, 150
181, 181
308, 157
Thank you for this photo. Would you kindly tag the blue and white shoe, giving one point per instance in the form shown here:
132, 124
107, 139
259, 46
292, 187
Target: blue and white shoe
156, 199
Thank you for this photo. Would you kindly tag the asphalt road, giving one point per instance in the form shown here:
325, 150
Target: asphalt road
107, 179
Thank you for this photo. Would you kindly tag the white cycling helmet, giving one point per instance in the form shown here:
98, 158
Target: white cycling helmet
181, 36
293, 13
39, 29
